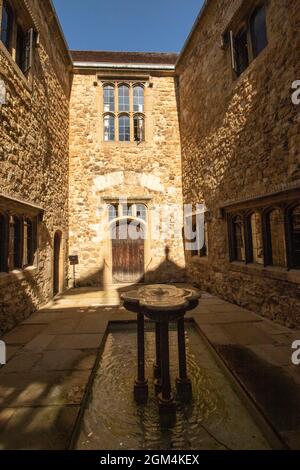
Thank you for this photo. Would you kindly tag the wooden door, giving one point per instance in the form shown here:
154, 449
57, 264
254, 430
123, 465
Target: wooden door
56, 263
128, 253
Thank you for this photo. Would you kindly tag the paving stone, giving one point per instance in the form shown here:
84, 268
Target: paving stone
228, 308
23, 362
46, 428
78, 341
60, 327
11, 351
41, 317
66, 360
246, 336
22, 334
5, 416
216, 334
39, 343
273, 354
274, 328
91, 325
226, 317
42, 388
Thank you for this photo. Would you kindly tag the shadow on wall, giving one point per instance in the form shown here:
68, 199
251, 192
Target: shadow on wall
24, 292
167, 272
18, 300
92, 279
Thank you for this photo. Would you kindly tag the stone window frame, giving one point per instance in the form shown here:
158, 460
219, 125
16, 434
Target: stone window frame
249, 242
289, 230
242, 20
124, 133
131, 84
267, 236
286, 209
130, 213
22, 20
12, 250
105, 116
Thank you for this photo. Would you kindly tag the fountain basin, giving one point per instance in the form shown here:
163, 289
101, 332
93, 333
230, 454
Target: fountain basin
219, 417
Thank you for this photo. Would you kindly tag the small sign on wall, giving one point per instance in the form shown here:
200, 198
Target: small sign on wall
74, 260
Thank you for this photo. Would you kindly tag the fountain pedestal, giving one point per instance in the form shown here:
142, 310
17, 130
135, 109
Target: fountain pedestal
164, 304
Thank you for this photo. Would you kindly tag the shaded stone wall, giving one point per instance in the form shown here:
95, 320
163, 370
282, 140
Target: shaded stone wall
240, 137
34, 158
149, 172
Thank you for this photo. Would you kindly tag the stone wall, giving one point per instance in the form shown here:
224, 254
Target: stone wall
34, 157
240, 137
99, 171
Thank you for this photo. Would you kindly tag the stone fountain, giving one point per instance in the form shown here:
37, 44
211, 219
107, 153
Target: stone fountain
162, 304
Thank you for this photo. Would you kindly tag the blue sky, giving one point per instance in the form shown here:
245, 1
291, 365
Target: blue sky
127, 25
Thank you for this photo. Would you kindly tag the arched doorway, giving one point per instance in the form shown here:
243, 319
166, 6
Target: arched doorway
128, 251
57, 264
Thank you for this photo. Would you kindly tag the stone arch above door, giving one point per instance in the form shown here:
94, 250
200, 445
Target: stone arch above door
128, 178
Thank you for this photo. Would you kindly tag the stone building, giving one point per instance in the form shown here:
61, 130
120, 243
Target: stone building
93, 143
34, 136
124, 143
240, 150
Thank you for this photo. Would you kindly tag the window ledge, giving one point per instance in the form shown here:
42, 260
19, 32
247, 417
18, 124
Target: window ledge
118, 142
17, 275
270, 272
254, 64
199, 259
15, 67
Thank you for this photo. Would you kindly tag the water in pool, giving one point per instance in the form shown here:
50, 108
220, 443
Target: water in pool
216, 419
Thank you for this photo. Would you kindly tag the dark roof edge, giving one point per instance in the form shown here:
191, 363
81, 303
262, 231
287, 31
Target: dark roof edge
124, 57
190, 36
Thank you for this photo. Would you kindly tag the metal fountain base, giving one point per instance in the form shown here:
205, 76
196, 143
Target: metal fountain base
162, 304
141, 392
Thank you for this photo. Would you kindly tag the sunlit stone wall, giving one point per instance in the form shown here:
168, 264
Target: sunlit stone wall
34, 157
148, 172
240, 139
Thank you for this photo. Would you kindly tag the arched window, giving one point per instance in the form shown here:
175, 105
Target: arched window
124, 128
15, 234
141, 212
128, 210
124, 100
138, 99
109, 98
112, 212
109, 127
139, 128
258, 30
257, 254
295, 222
276, 238
3, 243
238, 239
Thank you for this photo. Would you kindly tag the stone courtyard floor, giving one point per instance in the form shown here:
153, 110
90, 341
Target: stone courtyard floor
51, 357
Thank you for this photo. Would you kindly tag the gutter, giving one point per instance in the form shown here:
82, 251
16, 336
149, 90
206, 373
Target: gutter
108, 65
190, 36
